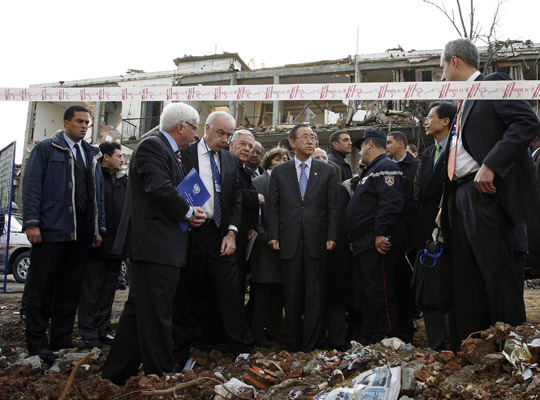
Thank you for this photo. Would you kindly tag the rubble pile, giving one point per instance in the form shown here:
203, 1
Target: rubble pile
499, 363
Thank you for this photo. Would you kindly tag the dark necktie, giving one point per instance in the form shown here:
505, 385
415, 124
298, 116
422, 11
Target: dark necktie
437, 155
81, 182
217, 194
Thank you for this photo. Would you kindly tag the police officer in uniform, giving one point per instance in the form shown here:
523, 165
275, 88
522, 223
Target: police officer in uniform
373, 219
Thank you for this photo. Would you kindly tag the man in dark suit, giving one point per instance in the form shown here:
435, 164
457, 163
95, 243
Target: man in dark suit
157, 248
533, 226
302, 226
242, 146
341, 146
102, 270
254, 162
213, 272
428, 189
490, 170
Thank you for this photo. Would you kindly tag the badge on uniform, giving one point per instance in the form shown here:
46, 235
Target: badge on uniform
389, 180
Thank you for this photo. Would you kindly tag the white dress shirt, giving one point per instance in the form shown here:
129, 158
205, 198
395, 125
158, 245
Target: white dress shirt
71, 145
465, 164
297, 163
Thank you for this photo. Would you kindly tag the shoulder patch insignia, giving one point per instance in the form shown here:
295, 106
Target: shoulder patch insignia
389, 180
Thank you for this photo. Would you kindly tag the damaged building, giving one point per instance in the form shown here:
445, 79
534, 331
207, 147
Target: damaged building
128, 121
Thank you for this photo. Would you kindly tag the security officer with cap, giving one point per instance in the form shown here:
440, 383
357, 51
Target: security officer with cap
373, 219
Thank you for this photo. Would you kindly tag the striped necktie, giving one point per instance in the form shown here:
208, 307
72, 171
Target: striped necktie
456, 129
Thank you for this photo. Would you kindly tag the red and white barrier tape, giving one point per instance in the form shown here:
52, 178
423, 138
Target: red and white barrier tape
485, 90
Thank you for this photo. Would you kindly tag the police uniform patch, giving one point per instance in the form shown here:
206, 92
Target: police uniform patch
389, 180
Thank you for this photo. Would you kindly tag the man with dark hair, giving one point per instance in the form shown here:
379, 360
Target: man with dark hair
396, 145
411, 148
373, 224
490, 178
428, 189
63, 215
102, 269
302, 226
341, 146
396, 149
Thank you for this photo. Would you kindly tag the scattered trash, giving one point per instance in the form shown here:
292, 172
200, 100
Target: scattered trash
381, 383
234, 388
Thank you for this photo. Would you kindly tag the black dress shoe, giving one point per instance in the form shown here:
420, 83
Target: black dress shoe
47, 356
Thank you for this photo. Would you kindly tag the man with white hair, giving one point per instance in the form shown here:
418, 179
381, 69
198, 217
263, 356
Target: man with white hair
214, 289
242, 146
157, 247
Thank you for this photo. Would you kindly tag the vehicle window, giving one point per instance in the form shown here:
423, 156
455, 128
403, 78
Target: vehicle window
16, 224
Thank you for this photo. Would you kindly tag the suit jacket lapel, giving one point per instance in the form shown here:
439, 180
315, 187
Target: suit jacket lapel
168, 145
313, 175
293, 179
469, 104
190, 157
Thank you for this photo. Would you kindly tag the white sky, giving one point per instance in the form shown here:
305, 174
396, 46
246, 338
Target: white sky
48, 41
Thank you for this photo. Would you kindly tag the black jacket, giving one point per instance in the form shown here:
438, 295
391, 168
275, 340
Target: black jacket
428, 189
157, 208
498, 133
376, 206
339, 159
115, 196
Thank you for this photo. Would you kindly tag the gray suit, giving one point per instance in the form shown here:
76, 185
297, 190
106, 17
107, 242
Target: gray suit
303, 227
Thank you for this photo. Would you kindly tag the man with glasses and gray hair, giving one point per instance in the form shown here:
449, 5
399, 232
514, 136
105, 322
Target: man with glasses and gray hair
156, 246
487, 196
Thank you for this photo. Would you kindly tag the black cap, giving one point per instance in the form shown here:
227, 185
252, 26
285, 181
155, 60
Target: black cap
370, 133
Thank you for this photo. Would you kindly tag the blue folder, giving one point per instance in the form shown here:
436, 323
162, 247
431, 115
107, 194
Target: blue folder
194, 191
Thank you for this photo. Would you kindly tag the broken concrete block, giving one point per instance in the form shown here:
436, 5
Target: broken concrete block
33, 361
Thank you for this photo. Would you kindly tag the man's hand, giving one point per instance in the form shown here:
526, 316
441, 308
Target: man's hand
274, 244
198, 218
228, 245
261, 199
251, 234
33, 233
97, 242
330, 245
382, 245
484, 180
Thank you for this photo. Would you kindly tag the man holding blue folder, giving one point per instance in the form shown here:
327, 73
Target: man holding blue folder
157, 247
216, 301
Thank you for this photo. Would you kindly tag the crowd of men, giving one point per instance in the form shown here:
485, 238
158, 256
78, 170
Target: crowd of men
331, 247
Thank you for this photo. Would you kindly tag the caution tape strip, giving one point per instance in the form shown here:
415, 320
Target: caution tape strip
484, 90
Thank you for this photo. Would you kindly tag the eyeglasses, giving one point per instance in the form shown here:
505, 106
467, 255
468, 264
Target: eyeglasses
193, 126
307, 138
